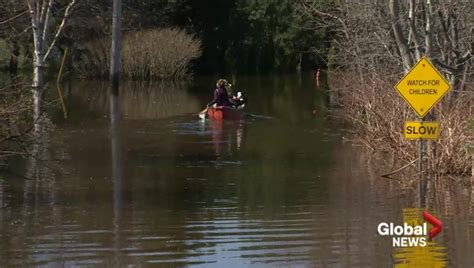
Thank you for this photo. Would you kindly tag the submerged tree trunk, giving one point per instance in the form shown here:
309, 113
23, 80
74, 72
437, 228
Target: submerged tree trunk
116, 45
117, 168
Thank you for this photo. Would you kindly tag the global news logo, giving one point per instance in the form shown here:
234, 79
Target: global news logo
407, 235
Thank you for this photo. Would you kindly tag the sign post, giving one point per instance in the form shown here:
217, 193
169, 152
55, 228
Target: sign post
421, 185
422, 88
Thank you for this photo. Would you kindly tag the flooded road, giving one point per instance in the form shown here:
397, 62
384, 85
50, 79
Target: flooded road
278, 188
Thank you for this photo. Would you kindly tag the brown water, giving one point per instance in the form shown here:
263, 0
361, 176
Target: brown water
279, 188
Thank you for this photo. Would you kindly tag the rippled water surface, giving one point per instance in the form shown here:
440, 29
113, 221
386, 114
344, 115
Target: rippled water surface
278, 188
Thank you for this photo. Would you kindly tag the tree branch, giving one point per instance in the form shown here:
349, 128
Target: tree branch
400, 169
60, 28
46, 23
14, 17
446, 68
43, 8
312, 8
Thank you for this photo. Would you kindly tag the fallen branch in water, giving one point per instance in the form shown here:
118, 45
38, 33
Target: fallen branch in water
399, 169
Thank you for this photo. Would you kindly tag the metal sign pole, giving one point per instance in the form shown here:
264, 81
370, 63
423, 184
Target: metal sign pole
422, 88
420, 169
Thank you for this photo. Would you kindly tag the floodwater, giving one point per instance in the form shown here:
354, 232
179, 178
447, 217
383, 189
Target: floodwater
162, 187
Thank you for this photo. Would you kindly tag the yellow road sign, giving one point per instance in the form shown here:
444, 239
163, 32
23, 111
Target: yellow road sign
421, 130
423, 87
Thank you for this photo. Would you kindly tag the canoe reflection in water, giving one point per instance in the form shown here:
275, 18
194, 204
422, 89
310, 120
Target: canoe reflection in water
227, 136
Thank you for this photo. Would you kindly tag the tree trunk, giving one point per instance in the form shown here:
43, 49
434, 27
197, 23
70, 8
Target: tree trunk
429, 30
38, 75
15, 52
40, 12
399, 37
37, 90
116, 45
413, 32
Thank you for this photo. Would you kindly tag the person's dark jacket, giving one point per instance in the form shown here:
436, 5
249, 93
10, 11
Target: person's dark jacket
221, 98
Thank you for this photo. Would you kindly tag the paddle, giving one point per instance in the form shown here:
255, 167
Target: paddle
202, 114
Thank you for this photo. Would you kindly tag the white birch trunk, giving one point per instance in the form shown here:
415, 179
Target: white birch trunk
40, 24
38, 73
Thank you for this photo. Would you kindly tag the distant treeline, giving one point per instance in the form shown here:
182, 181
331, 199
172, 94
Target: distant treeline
244, 36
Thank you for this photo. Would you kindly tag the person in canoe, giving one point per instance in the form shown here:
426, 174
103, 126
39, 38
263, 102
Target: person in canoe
221, 97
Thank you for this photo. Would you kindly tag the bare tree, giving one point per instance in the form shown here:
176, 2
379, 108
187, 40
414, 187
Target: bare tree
447, 30
41, 24
386, 35
374, 42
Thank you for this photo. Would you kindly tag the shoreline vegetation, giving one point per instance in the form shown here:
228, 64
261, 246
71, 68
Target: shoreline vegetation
376, 44
376, 114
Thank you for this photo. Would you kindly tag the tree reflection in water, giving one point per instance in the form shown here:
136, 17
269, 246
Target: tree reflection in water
139, 99
117, 171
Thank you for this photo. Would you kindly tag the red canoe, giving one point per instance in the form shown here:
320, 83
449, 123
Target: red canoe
224, 112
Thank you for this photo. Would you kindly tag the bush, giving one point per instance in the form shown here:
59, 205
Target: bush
157, 53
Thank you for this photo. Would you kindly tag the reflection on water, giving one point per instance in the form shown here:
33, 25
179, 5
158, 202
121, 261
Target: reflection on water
117, 170
160, 186
226, 136
138, 99
432, 255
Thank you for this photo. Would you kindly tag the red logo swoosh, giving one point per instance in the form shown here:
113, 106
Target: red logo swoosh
437, 224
